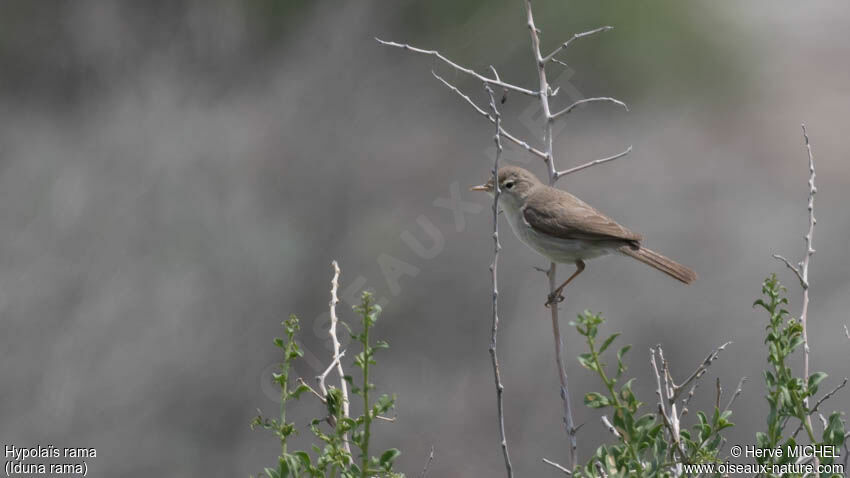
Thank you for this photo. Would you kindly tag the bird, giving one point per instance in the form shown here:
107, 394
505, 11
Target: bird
566, 230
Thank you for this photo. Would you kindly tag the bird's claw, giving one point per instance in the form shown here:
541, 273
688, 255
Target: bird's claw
554, 299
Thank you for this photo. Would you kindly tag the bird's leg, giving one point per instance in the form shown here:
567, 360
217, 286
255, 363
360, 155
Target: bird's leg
556, 296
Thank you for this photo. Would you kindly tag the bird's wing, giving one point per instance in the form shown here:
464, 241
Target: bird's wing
560, 214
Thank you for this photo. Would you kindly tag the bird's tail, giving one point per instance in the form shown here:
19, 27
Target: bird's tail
657, 261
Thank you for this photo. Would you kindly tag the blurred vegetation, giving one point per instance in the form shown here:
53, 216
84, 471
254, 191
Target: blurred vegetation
46, 51
651, 48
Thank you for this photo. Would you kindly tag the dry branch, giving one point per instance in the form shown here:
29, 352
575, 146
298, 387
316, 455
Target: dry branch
337, 353
578, 168
559, 467
736, 394
584, 101
523, 144
576, 36
819, 402
669, 392
802, 270
428, 463
494, 269
468, 71
610, 426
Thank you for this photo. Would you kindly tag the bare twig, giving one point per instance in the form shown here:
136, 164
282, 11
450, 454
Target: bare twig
602, 473
337, 353
578, 103
522, 144
671, 418
428, 463
687, 399
300, 381
802, 271
737, 392
576, 36
552, 463
823, 421
578, 168
698, 373
468, 71
719, 393
819, 402
324, 375
658, 389
610, 427
494, 330
543, 92
673, 435
669, 392
793, 268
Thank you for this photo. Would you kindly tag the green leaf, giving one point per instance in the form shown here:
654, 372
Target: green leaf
795, 343
380, 344
607, 342
815, 379
623, 352
769, 379
388, 456
761, 440
596, 400
587, 362
645, 421
304, 457
621, 367
834, 432
299, 390
346, 424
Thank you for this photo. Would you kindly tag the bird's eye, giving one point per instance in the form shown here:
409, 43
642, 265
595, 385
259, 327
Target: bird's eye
509, 184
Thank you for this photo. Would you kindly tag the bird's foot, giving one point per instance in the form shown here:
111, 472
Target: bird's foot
554, 298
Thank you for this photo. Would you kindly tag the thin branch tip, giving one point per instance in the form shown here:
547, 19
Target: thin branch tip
460, 68
583, 101
595, 162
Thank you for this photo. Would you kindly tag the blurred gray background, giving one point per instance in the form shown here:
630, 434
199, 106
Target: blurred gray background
175, 178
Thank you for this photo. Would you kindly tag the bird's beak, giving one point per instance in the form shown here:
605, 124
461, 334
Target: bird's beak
480, 187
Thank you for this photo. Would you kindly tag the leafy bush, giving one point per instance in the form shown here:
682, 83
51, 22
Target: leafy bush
646, 444
787, 394
336, 431
644, 447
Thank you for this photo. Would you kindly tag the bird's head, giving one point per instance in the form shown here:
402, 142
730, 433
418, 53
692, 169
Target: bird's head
515, 184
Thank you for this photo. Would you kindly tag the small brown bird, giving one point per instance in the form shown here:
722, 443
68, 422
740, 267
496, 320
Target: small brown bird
565, 229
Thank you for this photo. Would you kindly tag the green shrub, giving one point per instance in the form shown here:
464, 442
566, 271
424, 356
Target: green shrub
334, 433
